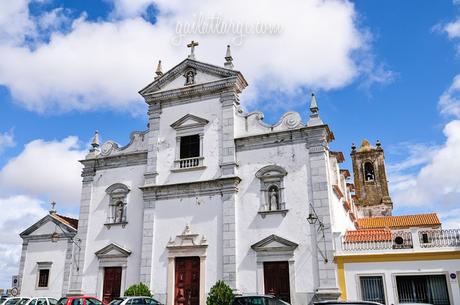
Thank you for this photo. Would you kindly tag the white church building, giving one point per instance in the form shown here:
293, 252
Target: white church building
208, 192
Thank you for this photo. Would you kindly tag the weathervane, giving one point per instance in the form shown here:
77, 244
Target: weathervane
192, 46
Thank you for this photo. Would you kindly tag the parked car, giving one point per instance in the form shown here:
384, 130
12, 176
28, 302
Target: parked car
134, 301
41, 301
258, 300
15, 301
347, 303
79, 300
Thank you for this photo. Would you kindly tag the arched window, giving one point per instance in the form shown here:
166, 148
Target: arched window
272, 188
118, 195
369, 174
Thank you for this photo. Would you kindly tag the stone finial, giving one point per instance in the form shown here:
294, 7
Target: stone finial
53, 208
353, 146
378, 144
192, 46
159, 71
95, 142
228, 59
314, 120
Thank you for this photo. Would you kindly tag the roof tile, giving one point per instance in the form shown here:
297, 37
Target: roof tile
395, 222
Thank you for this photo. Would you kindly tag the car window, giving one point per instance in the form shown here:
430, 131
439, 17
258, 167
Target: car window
137, 301
116, 302
52, 301
22, 301
33, 302
129, 302
62, 301
93, 301
41, 301
150, 301
78, 301
12, 301
250, 301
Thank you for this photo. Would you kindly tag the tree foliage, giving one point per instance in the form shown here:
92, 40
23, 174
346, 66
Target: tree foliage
220, 294
138, 290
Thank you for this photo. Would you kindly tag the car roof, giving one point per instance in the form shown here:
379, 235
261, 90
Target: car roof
348, 302
256, 295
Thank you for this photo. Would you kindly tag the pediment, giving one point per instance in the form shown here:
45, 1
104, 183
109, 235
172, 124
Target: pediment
113, 251
47, 225
274, 243
189, 121
175, 78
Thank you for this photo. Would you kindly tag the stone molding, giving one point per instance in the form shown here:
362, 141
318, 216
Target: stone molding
188, 63
99, 163
177, 95
191, 189
105, 252
317, 136
285, 245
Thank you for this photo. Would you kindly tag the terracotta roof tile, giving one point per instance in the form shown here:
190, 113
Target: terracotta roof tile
67, 220
404, 221
367, 235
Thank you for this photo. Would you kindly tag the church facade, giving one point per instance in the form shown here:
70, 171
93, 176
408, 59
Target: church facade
207, 193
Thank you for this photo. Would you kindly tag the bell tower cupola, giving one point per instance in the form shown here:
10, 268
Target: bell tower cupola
371, 185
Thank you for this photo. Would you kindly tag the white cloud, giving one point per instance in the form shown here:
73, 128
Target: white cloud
6, 140
436, 184
18, 213
449, 102
105, 63
453, 29
15, 22
49, 170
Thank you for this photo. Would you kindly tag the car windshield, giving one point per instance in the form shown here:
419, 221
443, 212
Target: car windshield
22, 301
62, 301
93, 301
116, 302
12, 301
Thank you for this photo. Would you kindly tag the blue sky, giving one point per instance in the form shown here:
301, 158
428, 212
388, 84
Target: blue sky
381, 70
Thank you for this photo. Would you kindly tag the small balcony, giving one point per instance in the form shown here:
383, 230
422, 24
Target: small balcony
385, 240
188, 164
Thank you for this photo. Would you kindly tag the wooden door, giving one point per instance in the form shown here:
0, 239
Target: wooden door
187, 281
112, 284
276, 280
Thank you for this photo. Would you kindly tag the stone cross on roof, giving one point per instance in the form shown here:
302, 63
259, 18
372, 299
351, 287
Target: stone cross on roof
192, 46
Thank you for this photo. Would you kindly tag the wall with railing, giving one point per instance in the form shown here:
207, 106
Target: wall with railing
399, 240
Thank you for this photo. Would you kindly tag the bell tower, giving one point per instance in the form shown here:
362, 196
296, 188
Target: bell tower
371, 185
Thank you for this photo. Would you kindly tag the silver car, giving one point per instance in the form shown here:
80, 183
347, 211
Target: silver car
15, 301
134, 301
41, 301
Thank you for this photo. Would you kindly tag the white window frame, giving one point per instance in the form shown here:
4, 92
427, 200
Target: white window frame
195, 128
359, 288
43, 266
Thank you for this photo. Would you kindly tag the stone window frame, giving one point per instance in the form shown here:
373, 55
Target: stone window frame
196, 128
43, 266
118, 193
269, 176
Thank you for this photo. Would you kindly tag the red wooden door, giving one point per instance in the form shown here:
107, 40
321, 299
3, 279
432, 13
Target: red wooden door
112, 283
276, 280
187, 278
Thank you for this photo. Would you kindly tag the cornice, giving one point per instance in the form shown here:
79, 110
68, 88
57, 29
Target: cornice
218, 186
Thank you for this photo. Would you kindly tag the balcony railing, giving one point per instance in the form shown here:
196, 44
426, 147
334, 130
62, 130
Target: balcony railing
378, 241
189, 163
439, 238
381, 240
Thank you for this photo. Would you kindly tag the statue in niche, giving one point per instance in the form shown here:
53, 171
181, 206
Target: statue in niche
273, 198
190, 78
119, 212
